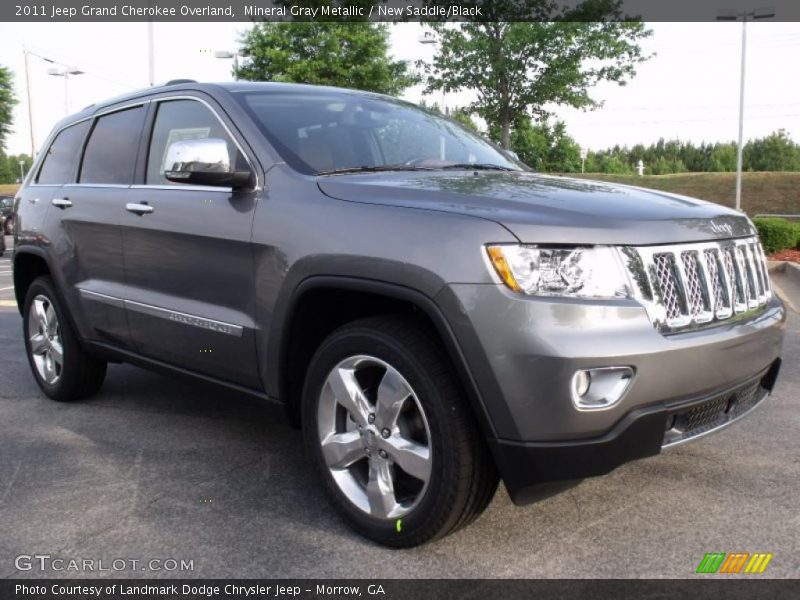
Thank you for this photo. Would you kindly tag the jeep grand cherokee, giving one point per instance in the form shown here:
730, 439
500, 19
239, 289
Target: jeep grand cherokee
432, 313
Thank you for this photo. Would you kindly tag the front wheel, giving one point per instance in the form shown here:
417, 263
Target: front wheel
63, 370
396, 445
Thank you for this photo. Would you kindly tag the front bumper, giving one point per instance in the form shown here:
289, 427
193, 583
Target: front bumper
522, 353
532, 471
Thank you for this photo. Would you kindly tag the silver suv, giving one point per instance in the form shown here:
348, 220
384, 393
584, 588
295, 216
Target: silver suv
432, 313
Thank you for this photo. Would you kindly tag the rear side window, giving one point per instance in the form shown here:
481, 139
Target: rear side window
62, 155
178, 120
110, 155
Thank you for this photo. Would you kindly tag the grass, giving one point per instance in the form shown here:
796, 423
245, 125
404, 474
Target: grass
761, 192
767, 192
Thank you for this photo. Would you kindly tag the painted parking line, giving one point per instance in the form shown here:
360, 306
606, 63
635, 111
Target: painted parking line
8, 304
5, 289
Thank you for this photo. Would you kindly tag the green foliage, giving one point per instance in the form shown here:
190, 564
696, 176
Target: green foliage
7, 102
463, 116
517, 68
775, 152
9, 166
544, 147
776, 234
352, 55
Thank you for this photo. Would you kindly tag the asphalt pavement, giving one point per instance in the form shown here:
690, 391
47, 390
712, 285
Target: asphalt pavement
156, 468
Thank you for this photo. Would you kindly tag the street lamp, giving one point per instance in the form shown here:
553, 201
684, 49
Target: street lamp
65, 72
21, 171
428, 38
228, 54
732, 15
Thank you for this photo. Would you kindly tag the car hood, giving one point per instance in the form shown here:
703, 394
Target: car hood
548, 209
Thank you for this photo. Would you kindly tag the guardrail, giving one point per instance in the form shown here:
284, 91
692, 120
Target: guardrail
778, 216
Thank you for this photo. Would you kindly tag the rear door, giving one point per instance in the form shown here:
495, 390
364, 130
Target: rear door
89, 245
58, 165
188, 258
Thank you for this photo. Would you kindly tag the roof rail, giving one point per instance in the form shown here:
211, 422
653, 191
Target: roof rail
177, 81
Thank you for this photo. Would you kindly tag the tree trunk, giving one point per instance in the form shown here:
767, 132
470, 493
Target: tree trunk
506, 133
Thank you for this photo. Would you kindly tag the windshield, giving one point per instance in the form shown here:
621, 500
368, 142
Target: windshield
318, 133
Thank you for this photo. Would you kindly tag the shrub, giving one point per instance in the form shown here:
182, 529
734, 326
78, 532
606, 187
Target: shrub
776, 234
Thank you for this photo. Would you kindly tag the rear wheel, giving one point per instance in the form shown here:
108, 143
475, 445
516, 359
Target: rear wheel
396, 446
63, 370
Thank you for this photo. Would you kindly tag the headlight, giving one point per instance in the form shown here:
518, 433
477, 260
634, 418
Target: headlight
595, 272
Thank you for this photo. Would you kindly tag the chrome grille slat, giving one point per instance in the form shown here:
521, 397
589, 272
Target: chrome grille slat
689, 285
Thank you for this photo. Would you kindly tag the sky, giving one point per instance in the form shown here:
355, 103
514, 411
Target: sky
689, 90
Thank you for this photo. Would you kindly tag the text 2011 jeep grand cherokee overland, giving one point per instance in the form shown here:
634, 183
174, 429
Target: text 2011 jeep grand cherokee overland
435, 315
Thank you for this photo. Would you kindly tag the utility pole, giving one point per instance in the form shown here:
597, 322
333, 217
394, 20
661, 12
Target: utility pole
732, 15
26, 55
151, 55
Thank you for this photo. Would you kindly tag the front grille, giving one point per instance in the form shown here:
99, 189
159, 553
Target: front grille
716, 412
689, 285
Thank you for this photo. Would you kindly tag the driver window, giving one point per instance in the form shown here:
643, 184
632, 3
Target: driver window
178, 120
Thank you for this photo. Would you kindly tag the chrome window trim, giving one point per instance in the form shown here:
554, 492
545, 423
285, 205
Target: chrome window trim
54, 135
184, 188
749, 271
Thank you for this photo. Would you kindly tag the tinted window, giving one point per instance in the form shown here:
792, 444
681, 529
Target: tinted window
178, 120
62, 156
316, 132
110, 155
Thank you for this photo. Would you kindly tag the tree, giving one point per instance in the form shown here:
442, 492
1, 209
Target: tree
352, 55
544, 147
518, 68
776, 152
7, 102
463, 116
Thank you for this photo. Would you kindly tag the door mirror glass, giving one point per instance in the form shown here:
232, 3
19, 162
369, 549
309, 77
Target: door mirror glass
203, 162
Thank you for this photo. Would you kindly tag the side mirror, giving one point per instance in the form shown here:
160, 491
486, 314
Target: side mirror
203, 162
511, 154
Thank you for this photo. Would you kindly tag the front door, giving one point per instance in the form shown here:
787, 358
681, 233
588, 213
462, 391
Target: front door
188, 260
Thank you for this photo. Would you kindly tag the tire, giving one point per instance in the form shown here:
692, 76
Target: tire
411, 415
78, 375
8, 227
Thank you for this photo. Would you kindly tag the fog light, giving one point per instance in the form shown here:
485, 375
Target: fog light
597, 389
582, 382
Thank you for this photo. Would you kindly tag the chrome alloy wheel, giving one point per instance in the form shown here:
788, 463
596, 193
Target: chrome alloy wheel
44, 334
374, 437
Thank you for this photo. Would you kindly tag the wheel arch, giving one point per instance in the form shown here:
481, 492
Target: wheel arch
29, 263
375, 298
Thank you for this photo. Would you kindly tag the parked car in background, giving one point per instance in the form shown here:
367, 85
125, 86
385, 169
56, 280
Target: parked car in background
6, 214
434, 315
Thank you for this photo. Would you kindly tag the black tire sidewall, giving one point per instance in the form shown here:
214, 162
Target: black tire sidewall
435, 506
43, 286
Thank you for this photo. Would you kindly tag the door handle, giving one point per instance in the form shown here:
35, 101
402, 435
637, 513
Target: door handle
62, 203
139, 209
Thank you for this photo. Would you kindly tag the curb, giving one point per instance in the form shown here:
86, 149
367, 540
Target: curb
789, 269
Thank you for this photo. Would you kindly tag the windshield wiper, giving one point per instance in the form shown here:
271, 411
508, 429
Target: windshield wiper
373, 169
478, 167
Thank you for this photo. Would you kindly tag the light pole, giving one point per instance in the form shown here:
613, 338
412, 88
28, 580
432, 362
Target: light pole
21, 171
26, 56
427, 38
228, 54
732, 15
65, 72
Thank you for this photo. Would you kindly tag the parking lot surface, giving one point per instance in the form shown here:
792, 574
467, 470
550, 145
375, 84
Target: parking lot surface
156, 468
